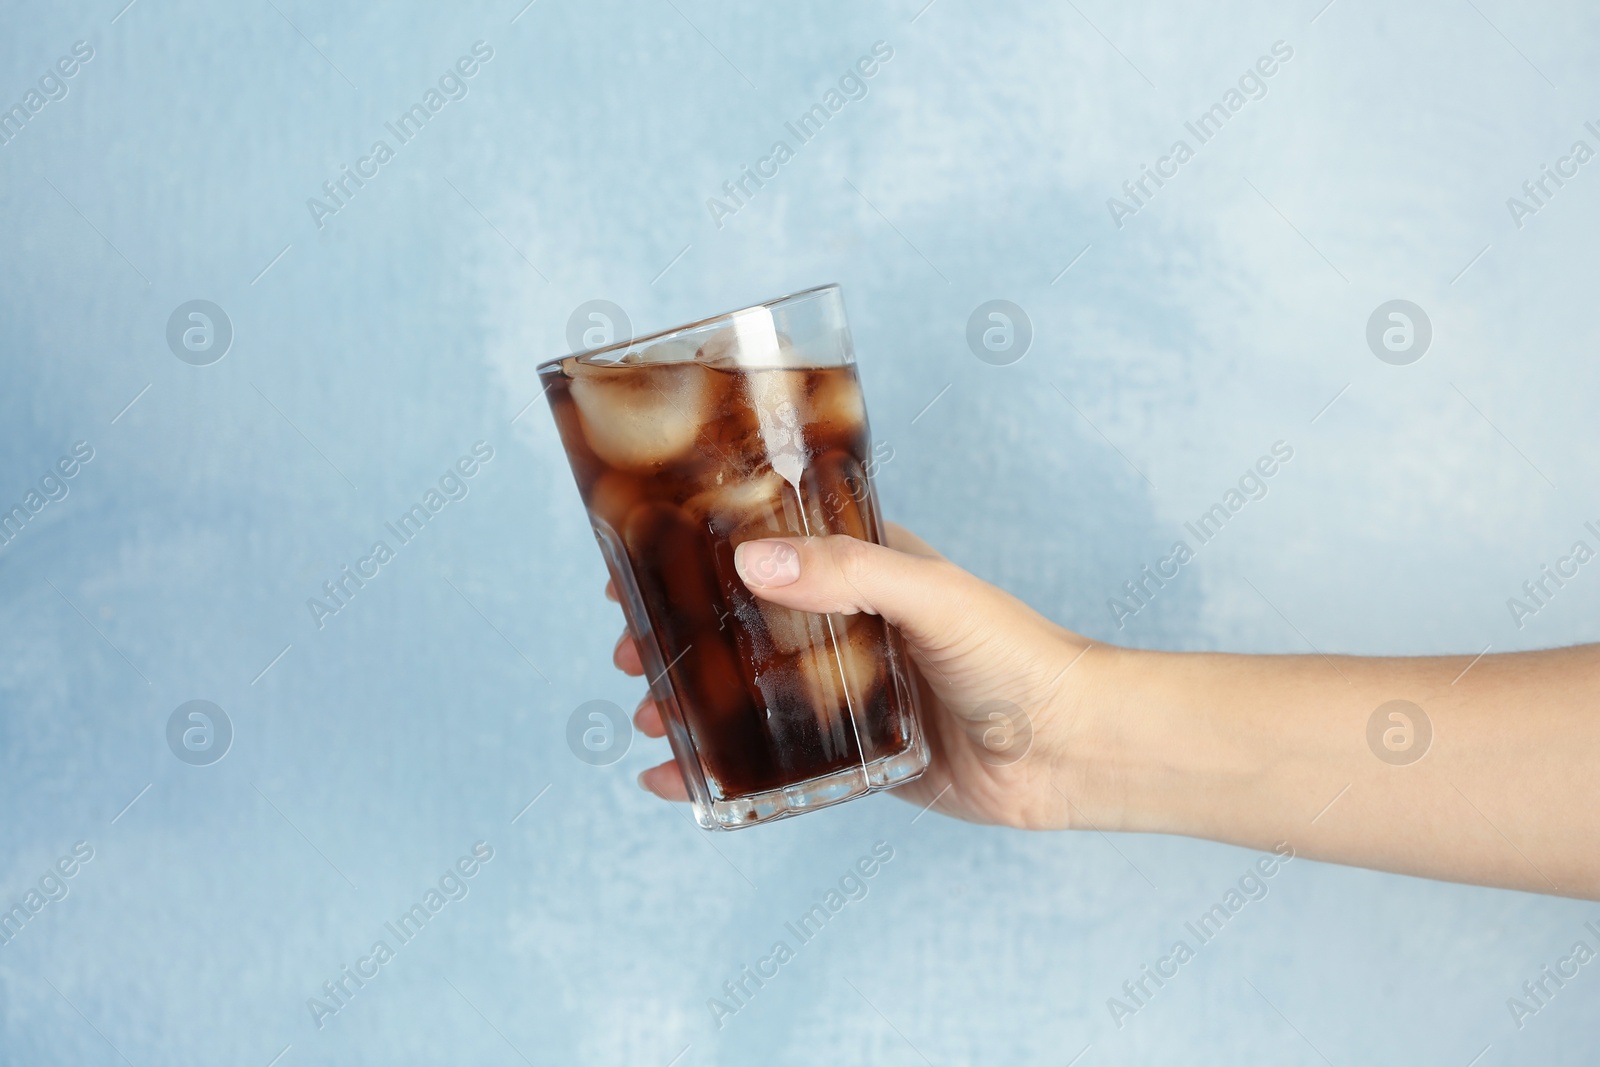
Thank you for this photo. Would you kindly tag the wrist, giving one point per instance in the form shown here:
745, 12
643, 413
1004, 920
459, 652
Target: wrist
1154, 745
1209, 745
1091, 750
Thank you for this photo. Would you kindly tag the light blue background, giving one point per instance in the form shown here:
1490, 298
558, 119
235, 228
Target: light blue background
1224, 316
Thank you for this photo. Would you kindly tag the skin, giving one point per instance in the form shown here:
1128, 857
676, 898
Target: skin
1249, 750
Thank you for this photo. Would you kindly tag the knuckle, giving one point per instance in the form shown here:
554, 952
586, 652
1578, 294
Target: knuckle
852, 559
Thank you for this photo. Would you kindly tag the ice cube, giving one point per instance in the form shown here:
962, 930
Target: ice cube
678, 350
792, 631
746, 507
749, 341
837, 496
720, 350
836, 408
844, 680
676, 579
636, 417
612, 496
863, 654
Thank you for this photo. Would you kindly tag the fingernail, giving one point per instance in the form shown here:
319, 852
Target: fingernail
767, 564
645, 787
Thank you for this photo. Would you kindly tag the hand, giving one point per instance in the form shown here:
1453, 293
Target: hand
1267, 752
973, 648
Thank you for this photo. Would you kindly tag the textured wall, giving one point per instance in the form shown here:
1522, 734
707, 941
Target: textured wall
374, 344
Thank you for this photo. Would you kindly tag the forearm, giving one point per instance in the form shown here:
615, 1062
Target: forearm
1255, 750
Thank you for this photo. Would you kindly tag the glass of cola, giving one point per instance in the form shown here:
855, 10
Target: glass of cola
689, 442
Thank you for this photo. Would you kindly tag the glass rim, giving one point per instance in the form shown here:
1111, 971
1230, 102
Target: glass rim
618, 346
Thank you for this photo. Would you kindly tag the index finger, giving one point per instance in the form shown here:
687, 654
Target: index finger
901, 539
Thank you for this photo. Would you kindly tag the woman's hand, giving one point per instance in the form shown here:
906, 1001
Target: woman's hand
1034, 727
1001, 687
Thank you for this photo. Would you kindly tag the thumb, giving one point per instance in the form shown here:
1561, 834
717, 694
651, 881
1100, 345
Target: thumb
925, 597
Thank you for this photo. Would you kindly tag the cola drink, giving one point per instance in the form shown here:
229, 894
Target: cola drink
685, 445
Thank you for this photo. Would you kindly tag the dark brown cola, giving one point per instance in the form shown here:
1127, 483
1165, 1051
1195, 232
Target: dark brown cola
681, 461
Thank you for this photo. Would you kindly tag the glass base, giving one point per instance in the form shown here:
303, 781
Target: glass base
830, 789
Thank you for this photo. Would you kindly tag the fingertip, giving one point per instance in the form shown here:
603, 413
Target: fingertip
626, 656
665, 781
767, 563
647, 718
